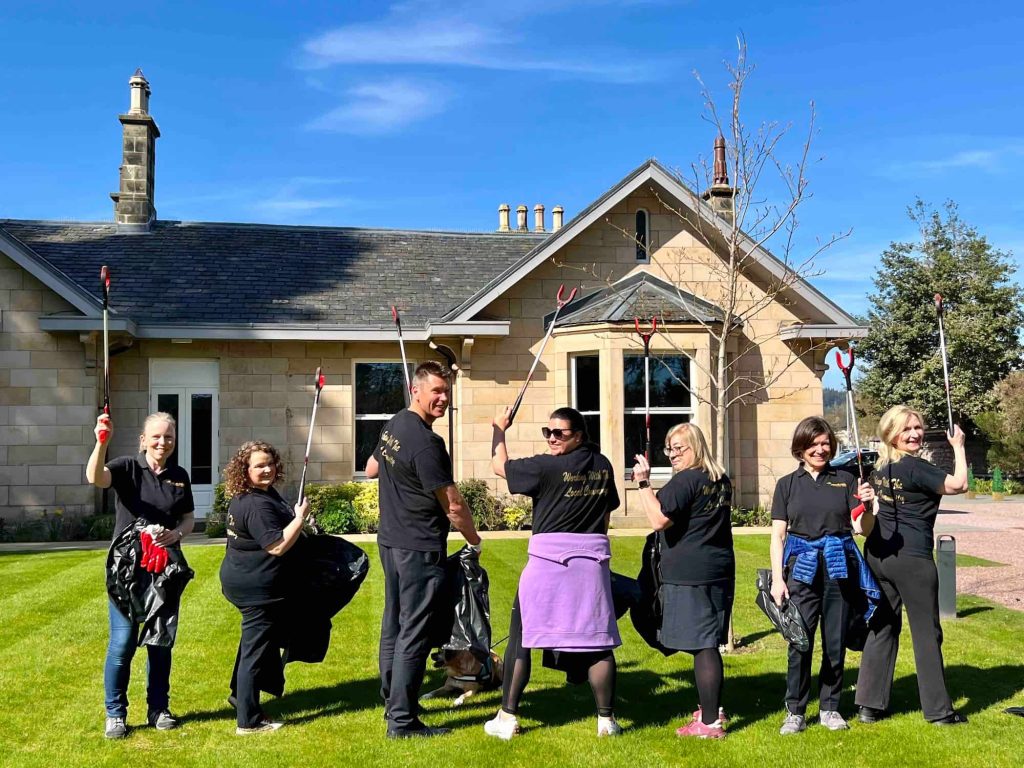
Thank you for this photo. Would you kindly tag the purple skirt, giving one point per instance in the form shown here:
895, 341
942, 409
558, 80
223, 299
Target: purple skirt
565, 593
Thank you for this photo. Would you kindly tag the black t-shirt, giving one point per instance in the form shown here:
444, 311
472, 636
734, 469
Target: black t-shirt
909, 492
413, 464
572, 493
697, 547
163, 499
249, 574
816, 507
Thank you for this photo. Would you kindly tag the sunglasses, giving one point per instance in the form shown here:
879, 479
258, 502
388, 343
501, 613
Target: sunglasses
558, 434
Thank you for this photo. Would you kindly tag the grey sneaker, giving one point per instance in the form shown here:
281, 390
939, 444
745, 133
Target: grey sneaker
115, 728
163, 720
264, 725
833, 720
793, 724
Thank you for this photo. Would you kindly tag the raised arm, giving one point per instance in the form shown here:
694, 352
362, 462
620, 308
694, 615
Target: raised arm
957, 482
648, 499
499, 451
96, 471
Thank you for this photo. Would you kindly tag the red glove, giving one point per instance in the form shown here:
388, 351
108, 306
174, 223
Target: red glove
147, 550
158, 560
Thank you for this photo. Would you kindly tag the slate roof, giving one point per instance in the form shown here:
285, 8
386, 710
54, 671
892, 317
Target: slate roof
640, 295
183, 272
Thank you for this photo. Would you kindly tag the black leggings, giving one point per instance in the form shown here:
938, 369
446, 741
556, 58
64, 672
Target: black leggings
518, 665
708, 673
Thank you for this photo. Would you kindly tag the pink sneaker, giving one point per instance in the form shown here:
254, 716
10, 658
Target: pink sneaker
699, 715
696, 728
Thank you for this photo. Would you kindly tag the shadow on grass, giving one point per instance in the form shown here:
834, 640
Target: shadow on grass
973, 610
323, 701
982, 687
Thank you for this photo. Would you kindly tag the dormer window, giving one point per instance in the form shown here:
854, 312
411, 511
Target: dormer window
642, 235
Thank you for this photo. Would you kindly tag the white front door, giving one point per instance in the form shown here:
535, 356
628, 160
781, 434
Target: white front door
188, 390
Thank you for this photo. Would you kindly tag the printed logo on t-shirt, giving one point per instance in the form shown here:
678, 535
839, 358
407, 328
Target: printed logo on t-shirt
389, 446
175, 484
835, 485
577, 483
889, 490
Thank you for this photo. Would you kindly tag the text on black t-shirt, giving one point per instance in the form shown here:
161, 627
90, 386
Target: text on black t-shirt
909, 492
697, 547
572, 493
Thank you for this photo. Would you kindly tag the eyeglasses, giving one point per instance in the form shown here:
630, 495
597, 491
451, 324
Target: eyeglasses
674, 449
558, 434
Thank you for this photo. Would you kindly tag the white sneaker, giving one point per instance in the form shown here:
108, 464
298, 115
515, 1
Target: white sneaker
502, 726
606, 726
833, 720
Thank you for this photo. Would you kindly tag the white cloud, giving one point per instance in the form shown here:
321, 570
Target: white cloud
990, 160
425, 33
383, 107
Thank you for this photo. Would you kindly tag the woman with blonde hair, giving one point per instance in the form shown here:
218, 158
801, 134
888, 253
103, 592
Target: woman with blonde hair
256, 576
691, 515
144, 487
899, 553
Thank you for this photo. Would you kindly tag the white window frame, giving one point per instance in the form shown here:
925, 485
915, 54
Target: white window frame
383, 418
575, 390
647, 235
690, 411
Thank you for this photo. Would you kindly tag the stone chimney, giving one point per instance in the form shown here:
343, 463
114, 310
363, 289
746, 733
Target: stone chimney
538, 218
521, 219
721, 195
503, 222
556, 218
133, 202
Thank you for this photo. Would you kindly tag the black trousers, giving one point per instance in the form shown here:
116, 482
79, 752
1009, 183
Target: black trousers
825, 602
912, 582
258, 664
413, 582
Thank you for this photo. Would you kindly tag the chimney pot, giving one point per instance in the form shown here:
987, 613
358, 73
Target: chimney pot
556, 218
538, 218
521, 219
503, 218
134, 210
721, 172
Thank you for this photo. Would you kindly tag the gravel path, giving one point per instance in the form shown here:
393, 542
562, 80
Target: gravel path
994, 531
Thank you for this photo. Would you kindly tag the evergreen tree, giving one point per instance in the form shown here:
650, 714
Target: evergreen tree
983, 319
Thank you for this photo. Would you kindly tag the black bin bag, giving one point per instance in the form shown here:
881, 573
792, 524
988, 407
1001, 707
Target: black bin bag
464, 623
786, 619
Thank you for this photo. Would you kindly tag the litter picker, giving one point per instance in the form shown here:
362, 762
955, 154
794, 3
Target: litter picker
105, 289
851, 414
405, 365
309, 440
940, 311
559, 303
646, 337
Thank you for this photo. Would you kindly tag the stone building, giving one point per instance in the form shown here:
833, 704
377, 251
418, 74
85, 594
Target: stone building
225, 324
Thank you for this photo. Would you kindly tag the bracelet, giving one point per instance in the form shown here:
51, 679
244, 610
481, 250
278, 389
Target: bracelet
643, 484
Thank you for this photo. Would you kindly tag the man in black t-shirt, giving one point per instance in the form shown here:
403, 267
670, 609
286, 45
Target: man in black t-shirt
418, 499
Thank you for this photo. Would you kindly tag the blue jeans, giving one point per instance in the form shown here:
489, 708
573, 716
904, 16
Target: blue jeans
124, 638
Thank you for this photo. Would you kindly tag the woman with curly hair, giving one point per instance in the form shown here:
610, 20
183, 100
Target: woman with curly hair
262, 531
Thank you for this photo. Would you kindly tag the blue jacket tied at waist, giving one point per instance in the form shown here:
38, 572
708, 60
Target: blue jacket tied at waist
834, 549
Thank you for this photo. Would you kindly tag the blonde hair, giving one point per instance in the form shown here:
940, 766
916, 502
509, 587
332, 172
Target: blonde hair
890, 425
702, 458
154, 417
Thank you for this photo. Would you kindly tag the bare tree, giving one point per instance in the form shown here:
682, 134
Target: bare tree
739, 222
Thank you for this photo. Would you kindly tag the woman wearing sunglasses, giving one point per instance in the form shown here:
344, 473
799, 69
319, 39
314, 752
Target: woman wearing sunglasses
564, 601
691, 516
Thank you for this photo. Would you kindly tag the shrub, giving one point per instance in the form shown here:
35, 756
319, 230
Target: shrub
367, 507
99, 527
338, 516
516, 513
486, 509
997, 481
759, 516
972, 484
216, 521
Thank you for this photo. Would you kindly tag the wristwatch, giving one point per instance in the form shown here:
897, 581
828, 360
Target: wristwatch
644, 484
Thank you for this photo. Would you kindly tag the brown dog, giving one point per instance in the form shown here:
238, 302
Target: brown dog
466, 674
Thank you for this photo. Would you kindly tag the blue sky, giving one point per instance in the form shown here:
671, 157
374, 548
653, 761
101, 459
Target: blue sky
426, 114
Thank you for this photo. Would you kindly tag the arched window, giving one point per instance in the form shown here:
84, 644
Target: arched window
642, 234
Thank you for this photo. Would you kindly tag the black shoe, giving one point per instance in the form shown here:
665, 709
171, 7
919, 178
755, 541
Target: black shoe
954, 719
162, 720
424, 732
870, 714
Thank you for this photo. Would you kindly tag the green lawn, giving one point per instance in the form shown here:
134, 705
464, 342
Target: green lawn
53, 635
